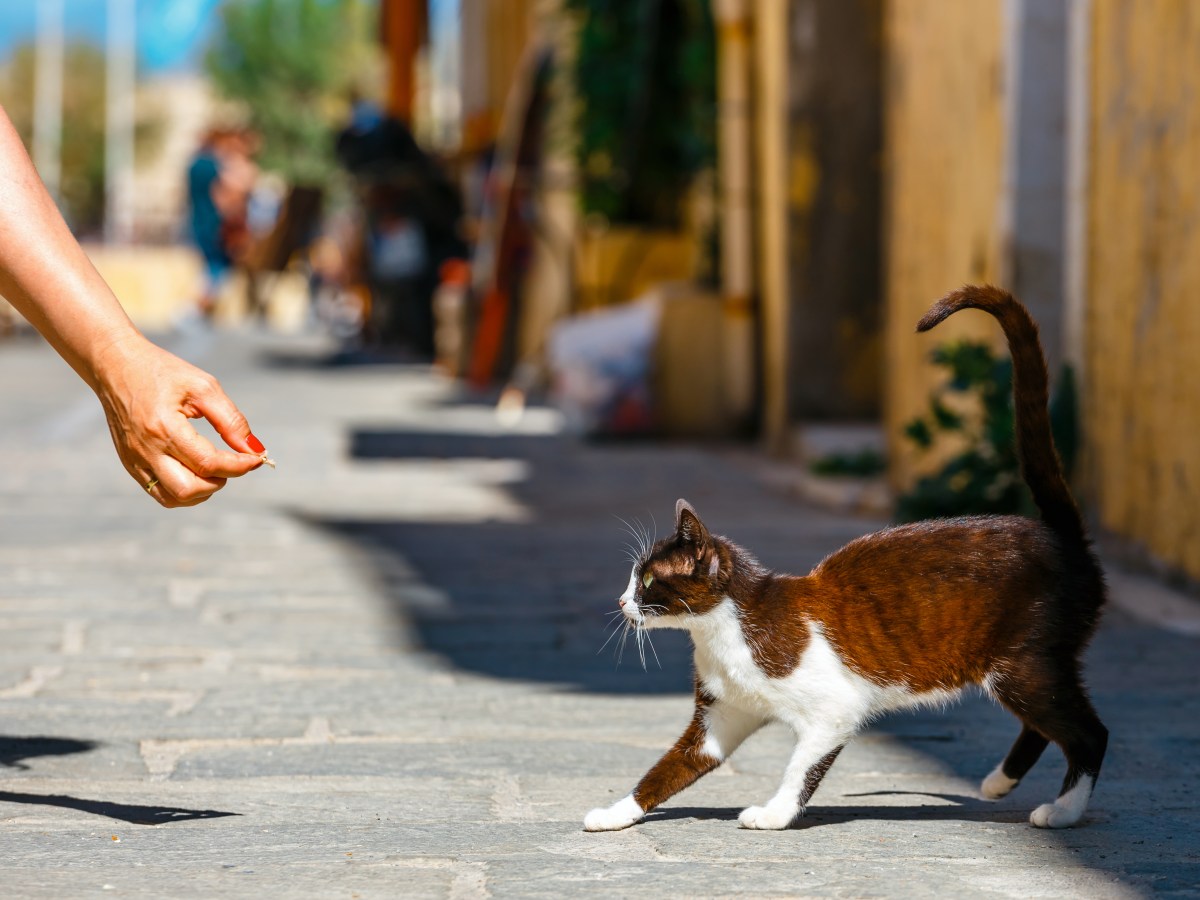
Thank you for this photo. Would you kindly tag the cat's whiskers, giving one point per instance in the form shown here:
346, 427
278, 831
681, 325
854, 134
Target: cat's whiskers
641, 631
650, 641
643, 547
643, 638
616, 629
624, 638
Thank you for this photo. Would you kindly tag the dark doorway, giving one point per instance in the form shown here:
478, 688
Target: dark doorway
835, 123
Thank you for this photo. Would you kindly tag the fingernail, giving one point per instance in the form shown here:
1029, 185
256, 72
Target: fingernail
255, 444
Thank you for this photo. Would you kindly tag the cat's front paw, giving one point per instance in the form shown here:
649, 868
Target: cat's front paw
620, 815
997, 785
768, 818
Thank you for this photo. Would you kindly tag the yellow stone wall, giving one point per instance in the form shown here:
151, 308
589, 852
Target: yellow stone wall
1142, 321
155, 285
944, 158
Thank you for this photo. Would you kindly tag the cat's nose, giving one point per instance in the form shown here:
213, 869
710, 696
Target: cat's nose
621, 602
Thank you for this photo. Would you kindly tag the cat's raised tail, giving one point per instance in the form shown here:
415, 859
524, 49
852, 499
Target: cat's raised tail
1035, 444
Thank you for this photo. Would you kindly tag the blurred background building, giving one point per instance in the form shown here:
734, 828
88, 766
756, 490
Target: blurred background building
686, 218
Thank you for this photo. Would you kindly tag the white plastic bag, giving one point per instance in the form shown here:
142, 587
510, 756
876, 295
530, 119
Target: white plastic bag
601, 366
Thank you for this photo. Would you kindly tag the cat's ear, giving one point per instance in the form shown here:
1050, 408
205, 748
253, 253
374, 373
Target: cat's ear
688, 526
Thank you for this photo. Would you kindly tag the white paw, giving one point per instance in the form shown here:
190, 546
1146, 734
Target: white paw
1051, 815
767, 818
1067, 809
1048, 815
997, 785
620, 815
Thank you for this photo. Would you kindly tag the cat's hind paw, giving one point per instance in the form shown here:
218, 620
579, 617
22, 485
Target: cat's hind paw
768, 818
1049, 815
1068, 809
620, 815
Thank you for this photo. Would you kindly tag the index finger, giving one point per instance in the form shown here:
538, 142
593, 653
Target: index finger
227, 419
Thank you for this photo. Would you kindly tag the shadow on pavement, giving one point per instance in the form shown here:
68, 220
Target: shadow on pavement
14, 750
319, 354
124, 812
373, 444
530, 600
502, 625
970, 810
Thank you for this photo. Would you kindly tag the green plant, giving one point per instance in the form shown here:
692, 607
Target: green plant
644, 78
292, 65
976, 406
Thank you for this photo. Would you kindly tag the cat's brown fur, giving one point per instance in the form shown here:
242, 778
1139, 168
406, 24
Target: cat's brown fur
903, 616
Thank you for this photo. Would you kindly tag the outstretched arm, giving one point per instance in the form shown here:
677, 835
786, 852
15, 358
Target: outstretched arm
147, 393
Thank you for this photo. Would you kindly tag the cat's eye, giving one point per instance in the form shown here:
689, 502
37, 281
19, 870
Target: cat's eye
647, 580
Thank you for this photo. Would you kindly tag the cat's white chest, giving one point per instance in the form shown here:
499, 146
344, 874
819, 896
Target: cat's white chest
820, 687
724, 661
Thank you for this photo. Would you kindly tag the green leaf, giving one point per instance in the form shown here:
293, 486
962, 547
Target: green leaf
644, 75
985, 476
918, 431
946, 418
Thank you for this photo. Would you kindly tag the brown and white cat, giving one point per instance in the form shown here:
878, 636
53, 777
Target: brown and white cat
904, 617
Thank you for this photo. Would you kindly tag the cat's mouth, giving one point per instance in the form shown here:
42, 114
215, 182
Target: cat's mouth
631, 611
631, 621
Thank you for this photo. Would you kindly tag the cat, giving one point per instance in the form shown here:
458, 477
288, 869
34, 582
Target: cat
904, 617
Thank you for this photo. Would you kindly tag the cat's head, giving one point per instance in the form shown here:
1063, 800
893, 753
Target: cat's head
679, 578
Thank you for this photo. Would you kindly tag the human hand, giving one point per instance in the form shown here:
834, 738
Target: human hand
148, 396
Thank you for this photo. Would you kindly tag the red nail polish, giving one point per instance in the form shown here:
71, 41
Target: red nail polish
255, 444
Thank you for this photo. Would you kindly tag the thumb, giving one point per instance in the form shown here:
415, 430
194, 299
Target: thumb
227, 419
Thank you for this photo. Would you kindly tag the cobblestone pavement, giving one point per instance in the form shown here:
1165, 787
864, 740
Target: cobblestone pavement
374, 673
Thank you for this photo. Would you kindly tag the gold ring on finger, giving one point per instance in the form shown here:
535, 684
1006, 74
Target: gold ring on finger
150, 484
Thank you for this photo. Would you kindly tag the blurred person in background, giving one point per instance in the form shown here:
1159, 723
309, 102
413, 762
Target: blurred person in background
411, 218
204, 218
220, 180
147, 394
235, 184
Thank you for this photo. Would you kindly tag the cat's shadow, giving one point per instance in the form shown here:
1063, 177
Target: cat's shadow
959, 808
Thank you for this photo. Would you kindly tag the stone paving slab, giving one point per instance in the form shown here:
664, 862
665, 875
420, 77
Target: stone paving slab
374, 673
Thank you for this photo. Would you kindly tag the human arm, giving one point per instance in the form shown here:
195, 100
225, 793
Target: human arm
147, 393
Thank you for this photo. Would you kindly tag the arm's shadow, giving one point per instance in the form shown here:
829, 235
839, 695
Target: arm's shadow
124, 812
15, 750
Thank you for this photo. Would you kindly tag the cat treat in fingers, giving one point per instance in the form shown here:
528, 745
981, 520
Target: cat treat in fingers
904, 617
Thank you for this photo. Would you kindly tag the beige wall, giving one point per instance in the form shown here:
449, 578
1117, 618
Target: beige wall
944, 125
156, 285
1142, 318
